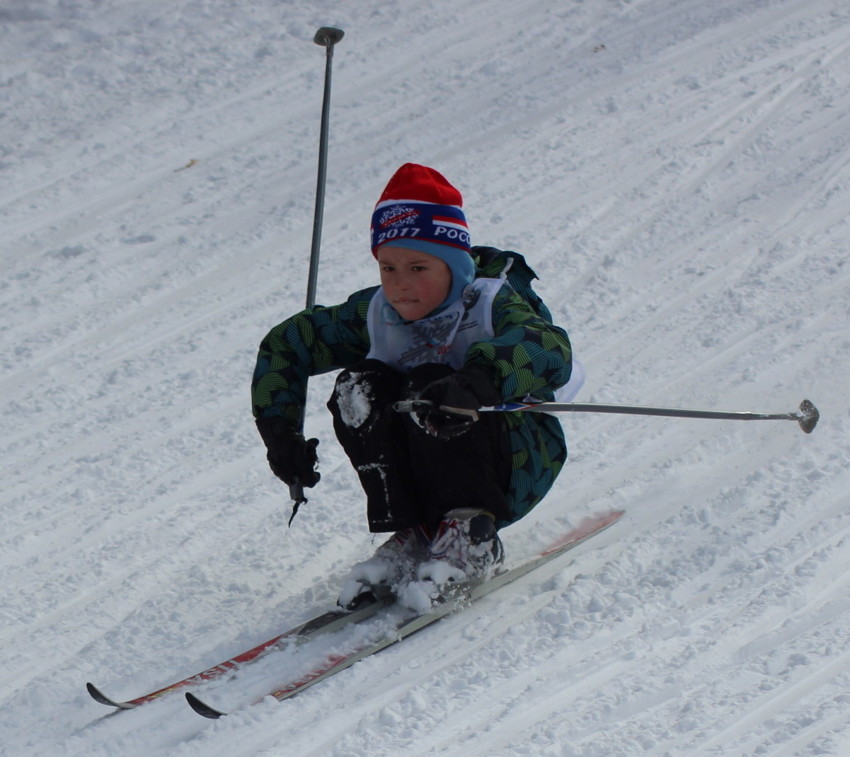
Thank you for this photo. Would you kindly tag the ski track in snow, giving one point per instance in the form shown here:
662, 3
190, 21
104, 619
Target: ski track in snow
676, 172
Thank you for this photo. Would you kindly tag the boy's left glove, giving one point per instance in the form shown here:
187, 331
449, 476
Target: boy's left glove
455, 401
291, 457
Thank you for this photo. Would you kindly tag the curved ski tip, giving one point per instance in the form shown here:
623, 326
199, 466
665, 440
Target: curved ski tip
202, 708
101, 698
810, 416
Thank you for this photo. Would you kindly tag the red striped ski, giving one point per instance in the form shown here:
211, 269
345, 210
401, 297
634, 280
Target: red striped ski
409, 624
325, 623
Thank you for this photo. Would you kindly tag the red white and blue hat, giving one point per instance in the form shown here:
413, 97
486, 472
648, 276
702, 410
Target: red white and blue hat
421, 210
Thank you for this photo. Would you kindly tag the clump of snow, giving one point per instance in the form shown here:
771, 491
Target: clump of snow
354, 400
420, 596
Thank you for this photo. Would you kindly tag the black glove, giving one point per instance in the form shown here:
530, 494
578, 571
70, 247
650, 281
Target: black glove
455, 400
291, 457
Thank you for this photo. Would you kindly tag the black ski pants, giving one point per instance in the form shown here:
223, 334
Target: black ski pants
410, 477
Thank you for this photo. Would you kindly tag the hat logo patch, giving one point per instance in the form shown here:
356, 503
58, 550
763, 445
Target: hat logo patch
399, 215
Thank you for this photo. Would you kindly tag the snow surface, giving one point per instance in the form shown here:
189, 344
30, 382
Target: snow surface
677, 172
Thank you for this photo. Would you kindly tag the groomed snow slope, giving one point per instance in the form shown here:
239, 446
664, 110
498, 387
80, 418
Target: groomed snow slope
676, 171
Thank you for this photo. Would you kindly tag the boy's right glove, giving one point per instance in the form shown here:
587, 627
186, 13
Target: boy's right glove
291, 457
455, 401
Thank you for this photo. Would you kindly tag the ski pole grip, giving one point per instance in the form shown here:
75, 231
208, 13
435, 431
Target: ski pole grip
413, 406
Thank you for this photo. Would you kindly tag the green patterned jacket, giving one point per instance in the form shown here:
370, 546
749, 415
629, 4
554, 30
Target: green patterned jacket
526, 355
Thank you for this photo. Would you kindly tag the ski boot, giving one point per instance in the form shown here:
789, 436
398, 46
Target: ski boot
394, 561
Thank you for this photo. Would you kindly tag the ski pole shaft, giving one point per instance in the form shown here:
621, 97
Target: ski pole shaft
807, 417
327, 37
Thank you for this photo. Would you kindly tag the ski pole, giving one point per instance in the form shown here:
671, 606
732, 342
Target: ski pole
327, 37
807, 417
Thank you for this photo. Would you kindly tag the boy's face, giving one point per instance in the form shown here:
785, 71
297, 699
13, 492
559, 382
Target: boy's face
415, 283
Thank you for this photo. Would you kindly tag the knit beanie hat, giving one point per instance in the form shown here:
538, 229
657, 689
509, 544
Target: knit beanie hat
420, 210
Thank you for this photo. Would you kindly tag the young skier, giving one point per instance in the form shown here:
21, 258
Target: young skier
458, 327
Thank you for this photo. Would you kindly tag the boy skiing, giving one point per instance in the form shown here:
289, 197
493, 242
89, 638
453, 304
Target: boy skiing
457, 327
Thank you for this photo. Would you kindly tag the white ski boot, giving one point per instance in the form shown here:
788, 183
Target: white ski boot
394, 562
466, 550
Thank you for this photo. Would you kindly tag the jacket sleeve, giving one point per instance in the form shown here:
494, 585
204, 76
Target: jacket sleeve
314, 341
527, 353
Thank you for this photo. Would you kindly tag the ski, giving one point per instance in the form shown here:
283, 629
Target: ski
410, 623
327, 622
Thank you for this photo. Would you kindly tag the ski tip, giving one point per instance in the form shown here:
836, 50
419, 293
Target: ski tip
202, 708
591, 525
101, 698
97, 694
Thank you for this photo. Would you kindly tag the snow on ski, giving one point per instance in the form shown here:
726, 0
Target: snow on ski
327, 622
409, 624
